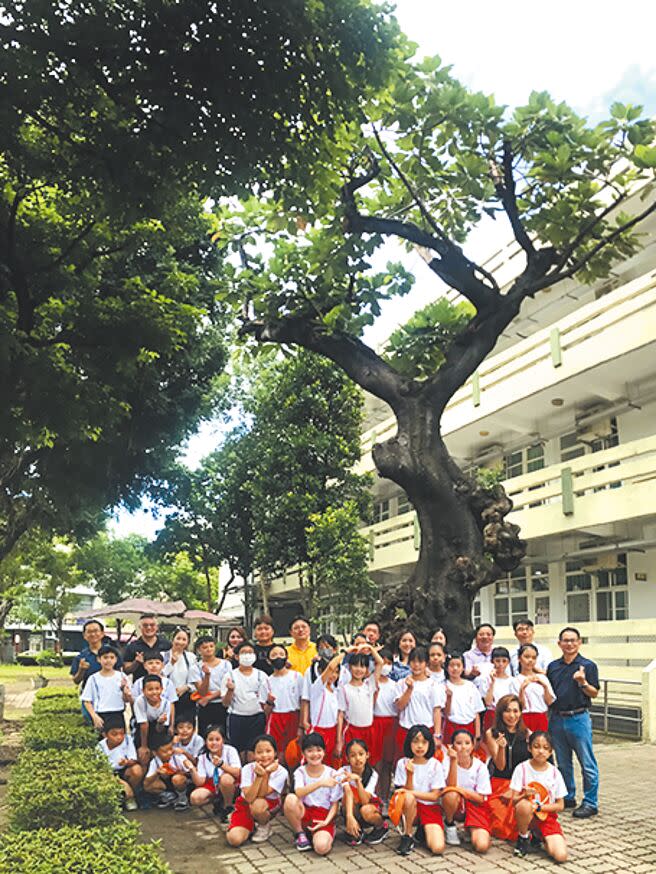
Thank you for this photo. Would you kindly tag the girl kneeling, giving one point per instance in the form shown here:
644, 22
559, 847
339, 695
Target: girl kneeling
538, 792
262, 783
467, 790
361, 805
422, 779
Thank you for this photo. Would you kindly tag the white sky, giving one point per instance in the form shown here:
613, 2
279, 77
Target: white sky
587, 53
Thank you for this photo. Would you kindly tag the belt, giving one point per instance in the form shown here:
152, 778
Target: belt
571, 712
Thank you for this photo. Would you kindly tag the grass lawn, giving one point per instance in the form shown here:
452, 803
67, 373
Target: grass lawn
23, 674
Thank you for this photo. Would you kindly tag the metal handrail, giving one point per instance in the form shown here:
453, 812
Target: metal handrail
618, 717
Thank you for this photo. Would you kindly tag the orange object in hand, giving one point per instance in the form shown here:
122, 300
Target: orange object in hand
540, 796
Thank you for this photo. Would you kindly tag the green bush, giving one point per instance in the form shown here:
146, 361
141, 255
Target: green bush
57, 692
54, 788
58, 731
56, 705
102, 850
49, 658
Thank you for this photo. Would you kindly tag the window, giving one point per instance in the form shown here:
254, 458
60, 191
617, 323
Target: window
597, 589
522, 594
476, 611
524, 460
570, 447
381, 511
612, 592
403, 505
612, 438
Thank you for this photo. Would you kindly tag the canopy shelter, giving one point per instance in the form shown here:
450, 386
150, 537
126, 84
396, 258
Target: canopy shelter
169, 612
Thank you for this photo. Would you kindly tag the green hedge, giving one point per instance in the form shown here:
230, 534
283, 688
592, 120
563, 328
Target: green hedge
56, 705
57, 692
54, 788
73, 850
58, 731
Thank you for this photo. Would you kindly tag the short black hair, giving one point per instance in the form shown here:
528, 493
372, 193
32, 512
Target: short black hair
299, 618
106, 649
518, 622
243, 645
264, 619
152, 678
413, 732
418, 654
147, 616
313, 739
359, 658
329, 639
526, 646
113, 721
569, 628
160, 740
269, 739
153, 655
485, 625
500, 652
92, 622
386, 653
185, 716
204, 638
372, 622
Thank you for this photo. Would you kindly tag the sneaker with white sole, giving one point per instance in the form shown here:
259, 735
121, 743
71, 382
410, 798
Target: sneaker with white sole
302, 843
451, 836
262, 832
166, 799
131, 804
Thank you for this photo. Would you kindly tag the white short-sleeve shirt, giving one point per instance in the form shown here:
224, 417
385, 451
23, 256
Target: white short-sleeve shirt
323, 702
476, 777
385, 702
145, 712
371, 784
184, 671
533, 694
125, 750
466, 702
502, 686
249, 694
105, 693
287, 691
277, 779
168, 689
357, 702
205, 766
551, 779
217, 674
542, 661
426, 695
324, 796
179, 763
426, 777
195, 746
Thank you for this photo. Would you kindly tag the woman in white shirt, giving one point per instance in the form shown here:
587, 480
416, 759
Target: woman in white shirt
181, 667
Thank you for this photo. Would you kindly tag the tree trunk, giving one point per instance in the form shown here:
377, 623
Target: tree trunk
465, 541
264, 592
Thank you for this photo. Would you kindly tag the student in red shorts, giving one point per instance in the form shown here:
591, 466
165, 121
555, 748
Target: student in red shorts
531, 812
383, 750
421, 778
361, 805
312, 807
533, 689
216, 774
262, 783
283, 701
470, 780
355, 698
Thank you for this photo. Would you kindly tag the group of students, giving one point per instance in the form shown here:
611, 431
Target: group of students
415, 734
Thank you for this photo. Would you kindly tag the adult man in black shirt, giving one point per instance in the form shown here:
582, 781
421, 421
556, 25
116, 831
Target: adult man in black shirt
575, 681
263, 631
149, 639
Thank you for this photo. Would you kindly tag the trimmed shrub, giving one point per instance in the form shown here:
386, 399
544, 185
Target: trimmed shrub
58, 731
57, 692
54, 788
56, 705
49, 658
112, 850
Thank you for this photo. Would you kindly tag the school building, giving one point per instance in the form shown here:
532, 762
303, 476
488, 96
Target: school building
566, 406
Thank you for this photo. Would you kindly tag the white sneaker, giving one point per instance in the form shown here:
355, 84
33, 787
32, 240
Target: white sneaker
262, 832
131, 804
451, 835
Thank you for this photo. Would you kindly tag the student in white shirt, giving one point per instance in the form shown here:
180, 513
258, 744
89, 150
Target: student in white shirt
283, 702
362, 807
532, 813
107, 691
312, 807
533, 689
153, 715
185, 741
525, 632
463, 701
419, 699
181, 668
421, 777
262, 784
244, 693
154, 665
355, 698
208, 691
470, 780
216, 773
167, 775
383, 751
496, 684
436, 659
121, 753
319, 705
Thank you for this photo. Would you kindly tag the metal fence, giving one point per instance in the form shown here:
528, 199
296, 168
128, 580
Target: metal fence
617, 710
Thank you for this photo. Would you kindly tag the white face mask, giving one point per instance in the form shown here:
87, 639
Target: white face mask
386, 670
247, 659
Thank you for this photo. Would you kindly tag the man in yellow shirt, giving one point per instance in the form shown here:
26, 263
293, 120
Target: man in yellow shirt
302, 651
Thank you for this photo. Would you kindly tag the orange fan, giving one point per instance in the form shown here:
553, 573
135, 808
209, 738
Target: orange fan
439, 754
395, 807
540, 796
196, 696
168, 767
293, 753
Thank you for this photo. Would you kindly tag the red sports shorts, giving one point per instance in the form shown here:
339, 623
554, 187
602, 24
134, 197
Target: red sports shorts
429, 814
536, 721
313, 815
283, 727
383, 734
241, 816
545, 827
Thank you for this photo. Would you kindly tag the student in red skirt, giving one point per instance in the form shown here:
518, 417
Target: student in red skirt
470, 777
312, 807
319, 709
262, 783
421, 777
533, 689
383, 749
362, 807
497, 684
533, 814
216, 774
355, 698
283, 700
463, 701
420, 699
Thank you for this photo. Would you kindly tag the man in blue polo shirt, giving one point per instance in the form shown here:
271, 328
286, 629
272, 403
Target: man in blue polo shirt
575, 681
86, 661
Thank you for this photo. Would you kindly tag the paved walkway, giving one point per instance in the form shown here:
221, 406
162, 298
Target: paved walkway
622, 838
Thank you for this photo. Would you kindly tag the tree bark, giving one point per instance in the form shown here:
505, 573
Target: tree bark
465, 541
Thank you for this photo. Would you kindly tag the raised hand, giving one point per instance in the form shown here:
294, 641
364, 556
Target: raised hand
409, 682
410, 766
579, 676
451, 753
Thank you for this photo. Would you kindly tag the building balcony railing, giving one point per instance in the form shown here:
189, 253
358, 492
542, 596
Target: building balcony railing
582, 340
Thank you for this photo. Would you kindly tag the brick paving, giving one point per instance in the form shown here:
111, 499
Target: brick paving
622, 838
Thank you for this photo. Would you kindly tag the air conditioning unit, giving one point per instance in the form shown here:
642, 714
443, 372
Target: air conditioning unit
606, 562
589, 431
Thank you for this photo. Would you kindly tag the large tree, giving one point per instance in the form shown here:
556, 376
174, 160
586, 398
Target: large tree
428, 162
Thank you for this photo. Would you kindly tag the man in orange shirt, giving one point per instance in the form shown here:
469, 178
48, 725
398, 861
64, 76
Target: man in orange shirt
302, 651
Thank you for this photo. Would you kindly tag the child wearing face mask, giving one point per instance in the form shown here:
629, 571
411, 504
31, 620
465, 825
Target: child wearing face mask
283, 701
244, 693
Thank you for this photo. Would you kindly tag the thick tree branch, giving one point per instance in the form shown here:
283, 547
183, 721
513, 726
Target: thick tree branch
504, 184
585, 230
356, 359
86, 230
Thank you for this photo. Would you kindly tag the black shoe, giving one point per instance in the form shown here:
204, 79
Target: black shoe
523, 846
584, 810
217, 806
406, 846
420, 835
377, 835
569, 803
226, 813
536, 843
